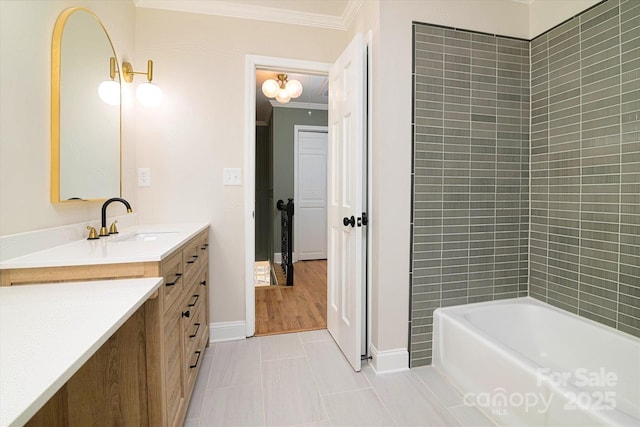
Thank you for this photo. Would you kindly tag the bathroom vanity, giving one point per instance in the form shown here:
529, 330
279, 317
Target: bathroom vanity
166, 340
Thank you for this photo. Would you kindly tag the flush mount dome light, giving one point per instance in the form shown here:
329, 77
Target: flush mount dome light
282, 89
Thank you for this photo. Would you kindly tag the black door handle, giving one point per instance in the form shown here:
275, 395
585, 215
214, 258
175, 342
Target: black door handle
349, 221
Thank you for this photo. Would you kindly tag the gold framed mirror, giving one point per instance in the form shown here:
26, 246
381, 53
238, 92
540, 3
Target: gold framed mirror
85, 130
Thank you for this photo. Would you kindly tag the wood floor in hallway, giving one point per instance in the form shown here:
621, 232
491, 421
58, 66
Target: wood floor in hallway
301, 307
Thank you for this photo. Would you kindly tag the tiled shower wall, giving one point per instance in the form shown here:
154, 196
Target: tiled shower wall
470, 174
585, 165
471, 162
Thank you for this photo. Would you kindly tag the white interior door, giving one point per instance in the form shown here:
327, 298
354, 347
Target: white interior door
346, 248
310, 234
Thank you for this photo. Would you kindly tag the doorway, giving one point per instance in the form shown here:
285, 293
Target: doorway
253, 63
290, 163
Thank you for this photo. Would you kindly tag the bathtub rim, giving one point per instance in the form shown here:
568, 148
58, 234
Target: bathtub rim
456, 309
455, 315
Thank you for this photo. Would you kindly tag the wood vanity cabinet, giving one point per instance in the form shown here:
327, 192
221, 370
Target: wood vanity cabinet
176, 333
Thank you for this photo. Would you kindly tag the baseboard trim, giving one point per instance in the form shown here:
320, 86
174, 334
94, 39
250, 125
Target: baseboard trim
277, 257
227, 331
388, 361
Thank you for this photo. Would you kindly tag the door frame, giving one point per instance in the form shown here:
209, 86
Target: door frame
253, 63
296, 130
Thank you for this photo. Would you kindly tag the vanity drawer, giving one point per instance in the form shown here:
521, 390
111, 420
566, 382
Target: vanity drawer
191, 256
203, 249
173, 273
196, 254
194, 346
196, 323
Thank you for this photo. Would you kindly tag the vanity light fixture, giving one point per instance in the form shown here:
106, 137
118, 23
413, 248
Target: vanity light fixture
109, 90
282, 89
147, 93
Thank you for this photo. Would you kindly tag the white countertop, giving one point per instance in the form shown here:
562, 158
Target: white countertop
47, 332
114, 249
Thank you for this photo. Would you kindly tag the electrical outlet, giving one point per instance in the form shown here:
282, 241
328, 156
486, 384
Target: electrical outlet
144, 177
231, 176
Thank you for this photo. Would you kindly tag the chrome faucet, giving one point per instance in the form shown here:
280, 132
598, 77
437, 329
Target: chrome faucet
103, 228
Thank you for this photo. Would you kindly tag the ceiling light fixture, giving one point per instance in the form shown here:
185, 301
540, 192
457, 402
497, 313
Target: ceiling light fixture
282, 89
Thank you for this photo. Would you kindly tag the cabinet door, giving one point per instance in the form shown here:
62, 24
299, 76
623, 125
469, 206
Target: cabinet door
174, 366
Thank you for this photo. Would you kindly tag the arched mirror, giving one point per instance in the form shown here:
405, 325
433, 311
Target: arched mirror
85, 129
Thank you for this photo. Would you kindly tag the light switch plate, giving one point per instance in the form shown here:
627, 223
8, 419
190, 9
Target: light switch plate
231, 176
144, 177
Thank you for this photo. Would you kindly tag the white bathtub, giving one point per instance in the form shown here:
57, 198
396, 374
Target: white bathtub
524, 362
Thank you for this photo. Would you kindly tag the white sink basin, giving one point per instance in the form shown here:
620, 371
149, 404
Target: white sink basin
146, 236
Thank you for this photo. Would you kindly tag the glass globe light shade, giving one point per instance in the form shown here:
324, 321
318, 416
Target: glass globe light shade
283, 96
270, 88
149, 94
109, 92
294, 88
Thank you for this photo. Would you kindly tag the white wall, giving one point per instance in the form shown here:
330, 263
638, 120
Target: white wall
26, 29
546, 14
199, 129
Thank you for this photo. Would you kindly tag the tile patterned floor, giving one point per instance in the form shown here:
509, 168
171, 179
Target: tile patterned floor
302, 379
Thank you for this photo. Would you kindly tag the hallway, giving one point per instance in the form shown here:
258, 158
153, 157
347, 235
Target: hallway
301, 307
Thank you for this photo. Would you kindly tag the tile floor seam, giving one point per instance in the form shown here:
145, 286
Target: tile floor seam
434, 392
375, 392
345, 391
262, 390
315, 381
282, 358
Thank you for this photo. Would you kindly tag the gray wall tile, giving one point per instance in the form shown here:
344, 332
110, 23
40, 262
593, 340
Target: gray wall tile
473, 238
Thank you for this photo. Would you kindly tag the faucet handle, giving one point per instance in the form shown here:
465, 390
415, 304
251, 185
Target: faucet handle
113, 229
93, 234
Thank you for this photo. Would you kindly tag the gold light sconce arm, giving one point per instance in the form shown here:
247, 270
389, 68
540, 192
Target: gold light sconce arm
128, 73
127, 70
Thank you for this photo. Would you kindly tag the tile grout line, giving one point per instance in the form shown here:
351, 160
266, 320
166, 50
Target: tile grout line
313, 378
262, 390
373, 389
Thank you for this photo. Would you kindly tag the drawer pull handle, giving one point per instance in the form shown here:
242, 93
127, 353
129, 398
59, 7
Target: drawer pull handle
186, 313
203, 283
197, 325
197, 360
194, 258
178, 275
194, 301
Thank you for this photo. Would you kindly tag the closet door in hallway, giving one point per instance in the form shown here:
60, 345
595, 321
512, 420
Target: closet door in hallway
302, 307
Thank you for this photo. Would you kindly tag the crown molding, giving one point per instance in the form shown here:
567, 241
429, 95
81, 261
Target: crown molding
261, 13
299, 105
